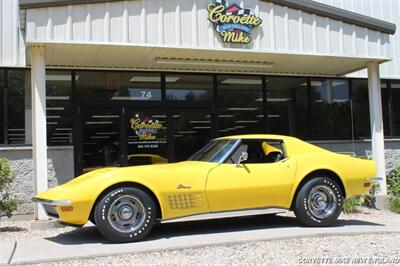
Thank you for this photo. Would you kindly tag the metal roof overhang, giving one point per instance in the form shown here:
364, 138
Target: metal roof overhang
162, 58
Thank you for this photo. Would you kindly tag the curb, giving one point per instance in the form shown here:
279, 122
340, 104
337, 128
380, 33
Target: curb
7, 251
229, 243
43, 225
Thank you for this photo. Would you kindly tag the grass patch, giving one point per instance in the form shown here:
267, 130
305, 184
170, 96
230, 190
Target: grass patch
351, 204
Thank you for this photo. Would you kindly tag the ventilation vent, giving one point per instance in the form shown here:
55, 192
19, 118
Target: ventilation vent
185, 201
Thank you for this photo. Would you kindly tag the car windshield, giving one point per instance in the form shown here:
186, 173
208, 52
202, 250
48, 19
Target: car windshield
214, 151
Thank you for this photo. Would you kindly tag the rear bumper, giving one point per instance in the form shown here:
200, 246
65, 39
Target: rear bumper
375, 179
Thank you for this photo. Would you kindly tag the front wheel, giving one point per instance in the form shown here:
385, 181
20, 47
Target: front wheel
125, 214
319, 202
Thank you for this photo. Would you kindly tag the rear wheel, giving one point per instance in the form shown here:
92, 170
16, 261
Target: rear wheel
125, 214
319, 202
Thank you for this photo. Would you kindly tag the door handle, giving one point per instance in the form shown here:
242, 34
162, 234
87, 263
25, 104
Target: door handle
285, 160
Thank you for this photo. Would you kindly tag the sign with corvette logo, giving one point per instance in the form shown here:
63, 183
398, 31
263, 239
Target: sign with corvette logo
145, 129
232, 22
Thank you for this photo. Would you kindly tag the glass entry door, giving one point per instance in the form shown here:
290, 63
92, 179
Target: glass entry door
191, 131
162, 136
101, 139
111, 137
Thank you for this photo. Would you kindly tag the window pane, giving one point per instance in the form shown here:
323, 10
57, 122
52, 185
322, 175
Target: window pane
258, 151
18, 80
188, 87
118, 86
1, 106
59, 109
100, 138
287, 106
240, 105
214, 151
361, 109
396, 109
330, 105
385, 108
192, 130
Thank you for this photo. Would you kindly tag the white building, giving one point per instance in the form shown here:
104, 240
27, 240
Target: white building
75, 74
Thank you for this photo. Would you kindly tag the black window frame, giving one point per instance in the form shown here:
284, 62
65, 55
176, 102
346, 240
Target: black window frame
212, 105
5, 109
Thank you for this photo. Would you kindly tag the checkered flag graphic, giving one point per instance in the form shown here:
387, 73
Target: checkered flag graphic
244, 12
241, 12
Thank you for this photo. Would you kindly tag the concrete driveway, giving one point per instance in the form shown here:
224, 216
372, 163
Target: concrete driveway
87, 241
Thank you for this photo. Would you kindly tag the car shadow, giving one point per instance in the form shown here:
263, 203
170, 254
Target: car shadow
89, 233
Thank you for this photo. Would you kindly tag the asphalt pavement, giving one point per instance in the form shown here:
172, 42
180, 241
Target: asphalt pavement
87, 241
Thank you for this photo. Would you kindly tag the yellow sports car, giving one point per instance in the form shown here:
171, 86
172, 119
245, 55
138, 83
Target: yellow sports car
230, 176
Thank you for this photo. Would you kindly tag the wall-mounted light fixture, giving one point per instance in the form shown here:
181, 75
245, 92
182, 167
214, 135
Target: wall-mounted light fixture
213, 62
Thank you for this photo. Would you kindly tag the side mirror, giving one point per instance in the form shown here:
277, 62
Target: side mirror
243, 157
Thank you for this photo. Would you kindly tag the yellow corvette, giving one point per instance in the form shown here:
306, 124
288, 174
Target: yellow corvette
247, 174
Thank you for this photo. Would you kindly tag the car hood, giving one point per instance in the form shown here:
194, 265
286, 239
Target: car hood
145, 171
104, 177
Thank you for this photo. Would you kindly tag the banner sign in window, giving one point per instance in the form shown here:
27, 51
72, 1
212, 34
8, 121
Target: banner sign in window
232, 22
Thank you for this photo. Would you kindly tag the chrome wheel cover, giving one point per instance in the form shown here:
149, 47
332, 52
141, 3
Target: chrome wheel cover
322, 201
126, 214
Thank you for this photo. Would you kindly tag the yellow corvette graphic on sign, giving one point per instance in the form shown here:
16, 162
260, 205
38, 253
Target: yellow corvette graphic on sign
229, 175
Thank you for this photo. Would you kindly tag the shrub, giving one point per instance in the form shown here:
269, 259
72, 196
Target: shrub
350, 204
393, 181
394, 204
7, 203
369, 199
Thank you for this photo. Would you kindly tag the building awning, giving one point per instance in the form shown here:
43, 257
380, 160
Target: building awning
148, 58
160, 35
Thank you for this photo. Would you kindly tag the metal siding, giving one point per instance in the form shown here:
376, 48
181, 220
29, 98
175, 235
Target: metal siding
294, 42
321, 24
172, 23
308, 31
12, 49
388, 10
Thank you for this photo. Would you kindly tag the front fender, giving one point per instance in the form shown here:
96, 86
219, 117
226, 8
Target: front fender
83, 192
116, 181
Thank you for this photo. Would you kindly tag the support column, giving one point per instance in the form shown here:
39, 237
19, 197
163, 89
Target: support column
39, 138
377, 136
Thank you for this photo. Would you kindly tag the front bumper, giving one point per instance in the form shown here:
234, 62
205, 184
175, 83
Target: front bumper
51, 207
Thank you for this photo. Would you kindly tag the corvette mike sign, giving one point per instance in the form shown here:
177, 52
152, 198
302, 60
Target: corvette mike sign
233, 22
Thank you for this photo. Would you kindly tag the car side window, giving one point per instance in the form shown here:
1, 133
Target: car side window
259, 151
